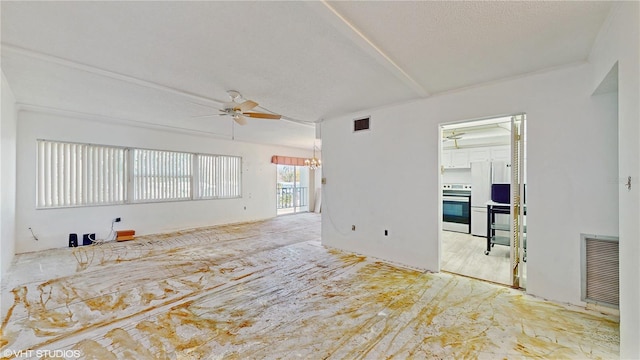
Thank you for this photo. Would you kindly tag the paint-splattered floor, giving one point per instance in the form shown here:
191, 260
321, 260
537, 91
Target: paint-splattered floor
270, 290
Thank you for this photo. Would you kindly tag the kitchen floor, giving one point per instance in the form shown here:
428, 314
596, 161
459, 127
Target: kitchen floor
464, 254
268, 290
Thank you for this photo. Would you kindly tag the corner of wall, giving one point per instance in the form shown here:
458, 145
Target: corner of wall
8, 123
618, 43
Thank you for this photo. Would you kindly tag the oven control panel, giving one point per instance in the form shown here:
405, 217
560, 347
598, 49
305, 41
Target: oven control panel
456, 187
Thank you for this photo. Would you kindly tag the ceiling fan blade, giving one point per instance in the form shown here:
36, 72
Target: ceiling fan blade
262, 115
240, 120
247, 105
454, 134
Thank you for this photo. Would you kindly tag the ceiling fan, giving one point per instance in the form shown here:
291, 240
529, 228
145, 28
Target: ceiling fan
453, 136
240, 111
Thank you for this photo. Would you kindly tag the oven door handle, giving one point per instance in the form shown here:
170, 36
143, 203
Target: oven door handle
460, 199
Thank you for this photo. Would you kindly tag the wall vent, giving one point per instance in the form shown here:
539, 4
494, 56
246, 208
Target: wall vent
600, 270
361, 124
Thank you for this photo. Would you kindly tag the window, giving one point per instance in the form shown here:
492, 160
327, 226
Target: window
72, 174
162, 175
220, 177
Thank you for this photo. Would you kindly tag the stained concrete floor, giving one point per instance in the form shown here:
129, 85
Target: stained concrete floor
270, 290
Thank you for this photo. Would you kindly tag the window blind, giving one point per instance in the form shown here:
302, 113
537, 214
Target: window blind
71, 174
74, 174
219, 176
162, 175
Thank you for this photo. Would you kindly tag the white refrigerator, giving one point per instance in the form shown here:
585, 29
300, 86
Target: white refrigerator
483, 174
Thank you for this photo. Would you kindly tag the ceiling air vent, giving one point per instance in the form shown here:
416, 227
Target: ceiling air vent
600, 270
361, 124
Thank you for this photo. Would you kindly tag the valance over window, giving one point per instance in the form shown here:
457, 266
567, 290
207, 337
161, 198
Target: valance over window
287, 160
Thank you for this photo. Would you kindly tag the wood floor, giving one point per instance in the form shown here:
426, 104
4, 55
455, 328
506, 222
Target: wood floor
270, 290
464, 254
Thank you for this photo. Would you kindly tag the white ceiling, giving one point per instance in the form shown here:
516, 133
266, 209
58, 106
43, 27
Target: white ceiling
155, 62
477, 133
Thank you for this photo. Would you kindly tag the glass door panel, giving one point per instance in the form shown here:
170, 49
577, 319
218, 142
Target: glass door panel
292, 189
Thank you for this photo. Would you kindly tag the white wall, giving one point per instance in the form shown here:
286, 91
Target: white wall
619, 42
7, 176
387, 178
52, 226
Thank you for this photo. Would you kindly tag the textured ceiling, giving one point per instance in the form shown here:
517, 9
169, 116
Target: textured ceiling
454, 44
153, 61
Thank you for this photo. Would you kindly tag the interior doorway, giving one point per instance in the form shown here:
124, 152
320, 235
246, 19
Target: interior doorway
292, 189
483, 177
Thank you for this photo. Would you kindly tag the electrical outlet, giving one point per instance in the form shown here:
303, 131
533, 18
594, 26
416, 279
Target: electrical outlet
353, 228
386, 233
117, 220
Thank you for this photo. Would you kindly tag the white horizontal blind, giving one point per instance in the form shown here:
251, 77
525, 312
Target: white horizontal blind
162, 175
71, 174
220, 177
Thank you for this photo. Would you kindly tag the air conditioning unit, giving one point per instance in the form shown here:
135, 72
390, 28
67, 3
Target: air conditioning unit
600, 270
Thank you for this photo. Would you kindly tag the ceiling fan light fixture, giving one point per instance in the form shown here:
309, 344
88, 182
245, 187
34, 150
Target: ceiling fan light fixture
240, 111
234, 94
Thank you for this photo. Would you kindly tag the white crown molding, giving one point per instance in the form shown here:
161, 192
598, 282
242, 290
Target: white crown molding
21, 106
129, 79
106, 73
49, 110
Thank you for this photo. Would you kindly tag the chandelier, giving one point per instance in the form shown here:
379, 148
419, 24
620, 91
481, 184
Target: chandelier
314, 162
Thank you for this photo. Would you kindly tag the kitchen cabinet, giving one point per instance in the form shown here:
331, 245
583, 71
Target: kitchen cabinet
462, 158
455, 159
479, 154
445, 160
478, 221
490, 153
501, 153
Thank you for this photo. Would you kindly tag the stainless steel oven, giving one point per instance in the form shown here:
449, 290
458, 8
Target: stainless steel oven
456, 208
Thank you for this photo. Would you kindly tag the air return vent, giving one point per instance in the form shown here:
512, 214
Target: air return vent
361, 124
600, 269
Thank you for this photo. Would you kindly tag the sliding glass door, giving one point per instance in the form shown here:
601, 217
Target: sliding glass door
292, 189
